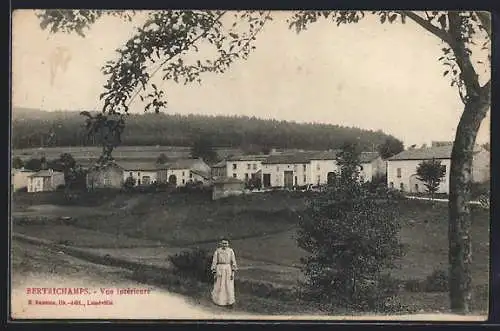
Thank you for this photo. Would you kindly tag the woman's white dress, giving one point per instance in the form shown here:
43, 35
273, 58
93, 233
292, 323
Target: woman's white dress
223, 264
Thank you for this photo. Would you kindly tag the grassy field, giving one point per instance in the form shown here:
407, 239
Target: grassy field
121, 152
261, 227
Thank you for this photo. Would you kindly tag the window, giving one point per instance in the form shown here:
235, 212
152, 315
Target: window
235, 166
318, 167
246, 177
398, 171
190, 175
304, 167
130, 174
401, 186
416, 187
183, 174
391, 184
305, 179
183, 181
138, 174
296, 181
249, 166
254, 166
234, 175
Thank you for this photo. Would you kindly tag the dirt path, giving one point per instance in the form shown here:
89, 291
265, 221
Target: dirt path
41, 267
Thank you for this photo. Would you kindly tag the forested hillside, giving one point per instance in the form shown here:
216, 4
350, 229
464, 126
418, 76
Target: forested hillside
33, 128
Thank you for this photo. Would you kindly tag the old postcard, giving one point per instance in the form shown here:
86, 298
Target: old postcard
185, 164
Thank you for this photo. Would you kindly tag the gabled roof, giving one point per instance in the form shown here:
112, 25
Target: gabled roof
44, 173
300, 157
367, 157
141, 165
426, 153
254, 157
221, 164
202, 174
182, 163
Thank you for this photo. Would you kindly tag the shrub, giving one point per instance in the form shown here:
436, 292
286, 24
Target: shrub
129, 183
437, 281
352, 236
22, 189
194, 263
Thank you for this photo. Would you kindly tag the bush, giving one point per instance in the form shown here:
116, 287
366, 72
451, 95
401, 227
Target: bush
437, 281
129, 183
22, 189
194, 264
352, 235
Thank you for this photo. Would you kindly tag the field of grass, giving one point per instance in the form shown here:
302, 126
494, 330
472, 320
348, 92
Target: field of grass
121, 152
261, 227
424, 232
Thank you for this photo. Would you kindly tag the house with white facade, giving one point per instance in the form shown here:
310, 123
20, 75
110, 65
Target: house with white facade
372, 166
298, 169
20, 178
45, 180
143, 172
402, 168
244, 167
179, 172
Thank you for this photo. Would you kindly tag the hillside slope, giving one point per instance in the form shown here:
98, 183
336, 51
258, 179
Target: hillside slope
30, 128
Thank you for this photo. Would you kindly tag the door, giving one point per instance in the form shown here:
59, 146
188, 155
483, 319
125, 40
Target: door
172, 179
330, 177
267, 180
288, 179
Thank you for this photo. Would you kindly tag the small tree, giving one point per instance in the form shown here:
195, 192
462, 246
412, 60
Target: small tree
203, 148
129, 183
390, 147
33, 165
431, 172
352, 238
161, 159
17, 163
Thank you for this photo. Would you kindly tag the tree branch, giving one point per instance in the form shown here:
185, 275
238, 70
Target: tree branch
174, 55
462, 57
442, 34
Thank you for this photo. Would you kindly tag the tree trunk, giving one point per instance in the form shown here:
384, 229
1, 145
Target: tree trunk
460, 253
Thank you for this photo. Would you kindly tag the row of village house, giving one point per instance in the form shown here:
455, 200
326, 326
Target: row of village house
286, 170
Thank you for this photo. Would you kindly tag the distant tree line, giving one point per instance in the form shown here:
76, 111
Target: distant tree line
249, 133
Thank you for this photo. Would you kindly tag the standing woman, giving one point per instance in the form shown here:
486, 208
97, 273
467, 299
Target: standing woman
224, 266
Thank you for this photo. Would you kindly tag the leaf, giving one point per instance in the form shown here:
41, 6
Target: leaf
445, 73
233, 35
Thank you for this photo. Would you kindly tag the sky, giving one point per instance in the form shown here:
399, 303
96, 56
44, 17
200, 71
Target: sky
365, 75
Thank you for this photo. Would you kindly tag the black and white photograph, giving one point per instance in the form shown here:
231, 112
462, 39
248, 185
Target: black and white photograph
250, 165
